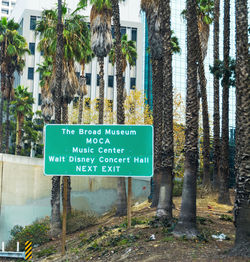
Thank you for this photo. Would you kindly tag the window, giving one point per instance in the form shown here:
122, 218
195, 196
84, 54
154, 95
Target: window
113, 32
32, 48
132, 83
32, 22
40, 76
5, 11
42, 53
111, 81
31, 73
123, 31
13, 3
134, 34
78, 75
88, 79
5, 3
39, 99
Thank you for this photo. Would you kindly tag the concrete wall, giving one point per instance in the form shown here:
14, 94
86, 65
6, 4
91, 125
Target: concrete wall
25, 192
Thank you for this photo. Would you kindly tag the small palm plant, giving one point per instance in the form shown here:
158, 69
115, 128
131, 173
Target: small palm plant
129, 53
22, 106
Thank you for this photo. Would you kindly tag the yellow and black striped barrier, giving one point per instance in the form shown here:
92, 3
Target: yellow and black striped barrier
28, 250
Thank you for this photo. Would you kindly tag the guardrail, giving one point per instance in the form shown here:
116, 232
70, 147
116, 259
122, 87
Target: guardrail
12, 254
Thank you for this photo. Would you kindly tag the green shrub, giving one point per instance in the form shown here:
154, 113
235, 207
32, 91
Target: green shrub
79, 220
46, 252
37, 233
226, 218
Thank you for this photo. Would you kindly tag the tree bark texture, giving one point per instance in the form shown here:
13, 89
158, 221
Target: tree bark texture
242, 199
187, 220
121, 187
157, 67
3, 81
80, 120
65, 120
55, 194
164, 208
101, 90
224, 196
205, 117
216, 144
55, 207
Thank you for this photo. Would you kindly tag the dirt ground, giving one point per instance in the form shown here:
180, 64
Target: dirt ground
148, 241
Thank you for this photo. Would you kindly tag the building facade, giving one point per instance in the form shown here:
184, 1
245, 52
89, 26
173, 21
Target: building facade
27, 12
6, 7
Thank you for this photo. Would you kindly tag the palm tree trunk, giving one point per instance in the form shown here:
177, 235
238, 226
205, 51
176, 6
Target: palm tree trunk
55, 207
242, 204
7, 134
216, 146
101, 89
205, 117
224, 196
1, 123
157, 67
18, 135
65, 121
164, 208
187, 220
122, 197
55, 193
80, 110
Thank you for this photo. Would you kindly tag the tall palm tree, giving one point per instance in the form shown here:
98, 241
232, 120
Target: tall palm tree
216, 120
242, 204
164, 208
55, 191
15, 47
224, 196
121, 188
101, 41
151, 9
187, 220
205, 10
4, 27
75, 37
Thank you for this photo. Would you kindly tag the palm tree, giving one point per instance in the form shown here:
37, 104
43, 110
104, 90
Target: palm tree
224, 196
15, 47
216, 97
101, 41
45, 70
129, 53
205, 10
75, 37
164, 208
187, 220
242, 204
151, 9
22, 106
121, 188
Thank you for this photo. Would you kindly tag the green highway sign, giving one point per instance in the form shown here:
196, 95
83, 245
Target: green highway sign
98, 150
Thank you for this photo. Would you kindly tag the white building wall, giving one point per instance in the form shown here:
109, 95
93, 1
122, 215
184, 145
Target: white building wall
6, 7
